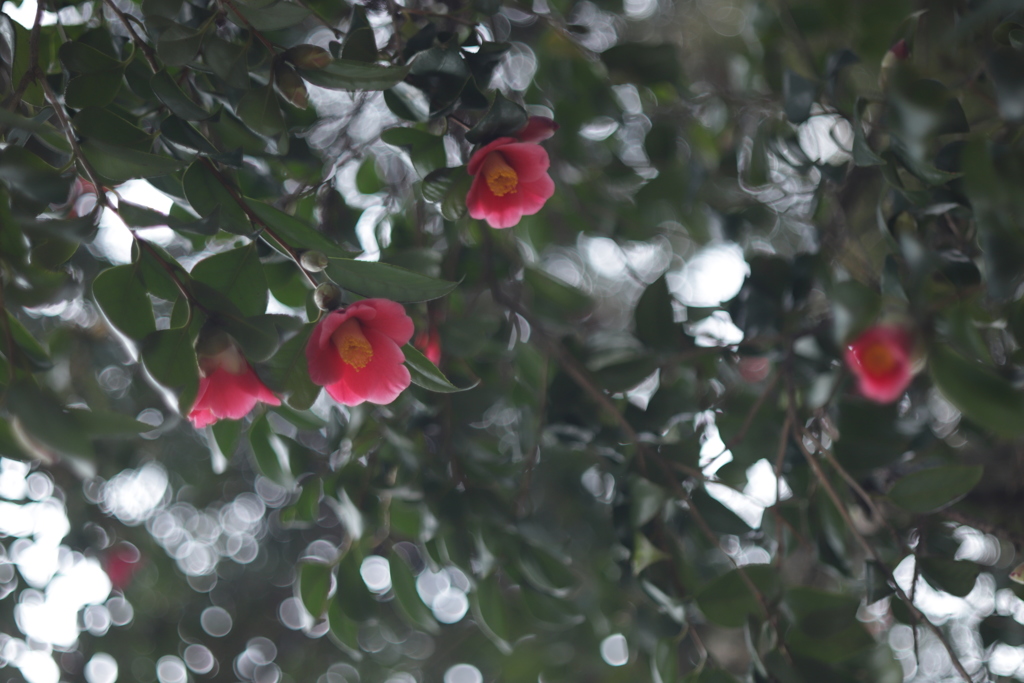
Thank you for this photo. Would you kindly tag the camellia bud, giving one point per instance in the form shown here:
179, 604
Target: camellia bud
313, 261
291, 86
308, 56
328, 296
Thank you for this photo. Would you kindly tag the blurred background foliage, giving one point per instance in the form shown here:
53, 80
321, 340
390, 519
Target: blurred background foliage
662, 470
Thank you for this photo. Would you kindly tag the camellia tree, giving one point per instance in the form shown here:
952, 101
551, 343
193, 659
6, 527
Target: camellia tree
469, 341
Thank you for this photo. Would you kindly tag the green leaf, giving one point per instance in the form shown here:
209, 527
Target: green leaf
288, 373
360, 44
935, 488
426, 151
727, 600
490, 610
293, 231
798, 95
343, 74
270, 17
46, 421
185, 135
103, 423
31, 176
120, 164
315, 586
978, 392
1006, 67
1001, 629
206, 194
863, 155
271, 455
170, 358
228, 61
175, 99
503, 118
81, 58
448, 187
30, 348
407, 598
104, 126
425, 374
646, 499
371, 279
626, 374
642, 64
654, 318
259, 110
555, 299
121, 296
956, 577
237, 274
353, 598
827, 627
178, 45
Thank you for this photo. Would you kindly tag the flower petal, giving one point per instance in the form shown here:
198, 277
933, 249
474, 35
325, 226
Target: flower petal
529, 161
385, 376
537, 128
477, 160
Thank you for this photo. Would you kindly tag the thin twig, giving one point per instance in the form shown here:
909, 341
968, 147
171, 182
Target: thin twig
256, 220
868, 548
33, 72
69, 133
147, 51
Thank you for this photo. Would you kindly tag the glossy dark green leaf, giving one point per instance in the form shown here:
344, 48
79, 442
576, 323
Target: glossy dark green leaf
504, 118
1001, 629
104, 126
238, 274
956, 577
206, 194
26, 173
104, 423
259, 109
293, 231
289, 375
625, 374
643, 64
655, 318
228, 61
426, 151
935, 488
727, 600
360, 44
271, 455
121, 296
81, 58
270, 17
427, 375
342, 74
315, 585
28, 346
170, 358
491, 611
407, 599
120, 164
827, 626
371, 279
175, 99
178, 45
978, 392
46, 422
798, 95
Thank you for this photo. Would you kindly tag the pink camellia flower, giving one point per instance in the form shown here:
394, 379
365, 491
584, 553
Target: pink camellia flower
228, 388
355, 352
121, 563
881, 359
510, 176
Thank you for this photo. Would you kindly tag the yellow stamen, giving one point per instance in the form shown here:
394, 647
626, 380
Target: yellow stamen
352, 345
878, 359
500, 177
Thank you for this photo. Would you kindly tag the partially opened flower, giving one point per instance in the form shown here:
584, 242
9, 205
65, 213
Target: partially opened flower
881, 359
228, 388
510, 176
355, 352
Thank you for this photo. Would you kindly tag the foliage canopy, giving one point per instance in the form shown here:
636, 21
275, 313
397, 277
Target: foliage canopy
617, 466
